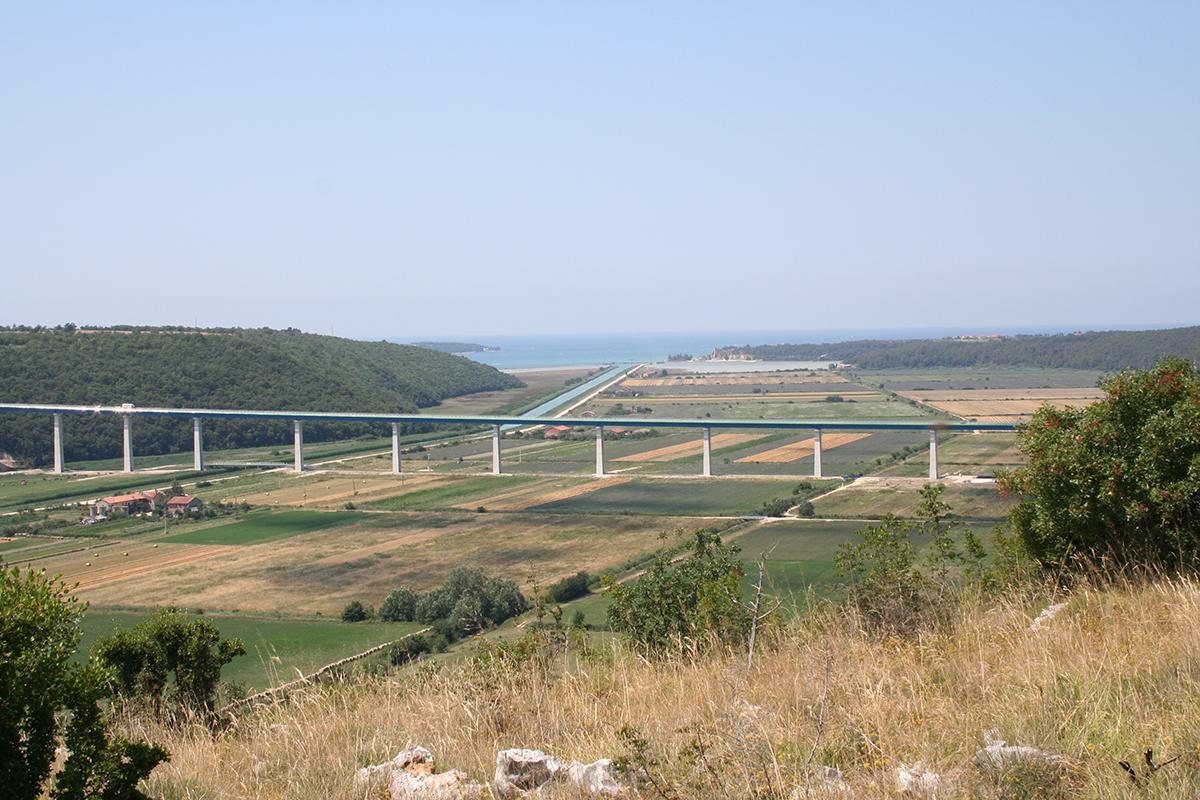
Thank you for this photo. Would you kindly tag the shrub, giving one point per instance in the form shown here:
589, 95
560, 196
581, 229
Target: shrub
38, 636
355, 611
568, 589
1117, 482
671, 605
169, 644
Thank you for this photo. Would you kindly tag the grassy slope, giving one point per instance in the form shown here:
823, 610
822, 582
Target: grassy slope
1115, 672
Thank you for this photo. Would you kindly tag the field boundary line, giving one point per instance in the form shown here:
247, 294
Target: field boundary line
307, 679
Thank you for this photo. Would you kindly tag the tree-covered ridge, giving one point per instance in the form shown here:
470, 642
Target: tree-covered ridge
1109, 351
234, 368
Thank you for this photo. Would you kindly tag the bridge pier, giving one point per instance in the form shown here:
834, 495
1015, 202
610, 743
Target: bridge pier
396, 448
58, 444
599, 451
197, 445
299, 441
933, 465
495, 449
817, 453
128, 448
707, 469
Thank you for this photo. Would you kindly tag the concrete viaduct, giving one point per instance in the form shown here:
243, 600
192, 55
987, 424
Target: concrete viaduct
129, 412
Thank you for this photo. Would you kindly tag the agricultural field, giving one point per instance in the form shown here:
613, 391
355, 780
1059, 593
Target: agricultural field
347, 529
701, 497
277, 649
999, 396
877, 496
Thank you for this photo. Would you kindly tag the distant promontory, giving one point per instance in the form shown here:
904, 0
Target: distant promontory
457, 347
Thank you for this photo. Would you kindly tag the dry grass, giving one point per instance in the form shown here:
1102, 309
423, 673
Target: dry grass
1115, 672
674, 451
801, 449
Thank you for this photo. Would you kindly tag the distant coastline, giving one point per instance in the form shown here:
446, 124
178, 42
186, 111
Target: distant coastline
525, 351
457, 348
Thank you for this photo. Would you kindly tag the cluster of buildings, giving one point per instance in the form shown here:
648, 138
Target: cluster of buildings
139, 502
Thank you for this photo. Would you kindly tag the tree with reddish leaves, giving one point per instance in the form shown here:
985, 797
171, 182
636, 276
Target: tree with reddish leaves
1116, 484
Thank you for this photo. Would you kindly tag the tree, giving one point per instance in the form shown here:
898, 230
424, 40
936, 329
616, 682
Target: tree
38, 636
672, 604
355, 611
168, 643
1118, 482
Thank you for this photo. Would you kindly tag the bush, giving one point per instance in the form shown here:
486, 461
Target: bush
568, 589
671, 605
355, 611
1118, 482
399, 606
38, 636
169, 644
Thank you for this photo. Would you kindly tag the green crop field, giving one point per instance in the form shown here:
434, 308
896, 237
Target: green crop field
263, 528
803, 540
275, 648
686, 497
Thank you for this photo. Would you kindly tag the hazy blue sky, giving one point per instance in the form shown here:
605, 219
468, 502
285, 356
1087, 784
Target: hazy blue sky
451, 168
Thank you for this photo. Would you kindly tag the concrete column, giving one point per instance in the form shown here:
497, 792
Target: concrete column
933, 468
396, 448
599, 451
495, 449
299, 429
197, 445
707, 472
128, 444
817, 453
58, 446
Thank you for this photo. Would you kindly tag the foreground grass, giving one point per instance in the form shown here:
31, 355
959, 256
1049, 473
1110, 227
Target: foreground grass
1115, 672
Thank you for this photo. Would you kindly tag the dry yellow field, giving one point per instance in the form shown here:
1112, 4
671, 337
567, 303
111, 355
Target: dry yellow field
320, 572
1006, 410
1004, 405
324, 490
690, 448
733, 379
801, 449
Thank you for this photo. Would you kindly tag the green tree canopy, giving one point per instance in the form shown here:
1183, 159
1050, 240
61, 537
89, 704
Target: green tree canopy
38, 682
673, 604
1117, 482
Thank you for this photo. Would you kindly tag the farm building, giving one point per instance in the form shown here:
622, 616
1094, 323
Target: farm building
183, 504
129, 503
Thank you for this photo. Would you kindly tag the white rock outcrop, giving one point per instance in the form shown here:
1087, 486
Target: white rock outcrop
1000, 756
918, 781
519, 771
411, 776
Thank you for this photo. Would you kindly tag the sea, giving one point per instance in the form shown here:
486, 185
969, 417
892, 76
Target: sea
532, 351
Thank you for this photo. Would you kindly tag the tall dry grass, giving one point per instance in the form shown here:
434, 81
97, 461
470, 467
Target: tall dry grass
1115, 672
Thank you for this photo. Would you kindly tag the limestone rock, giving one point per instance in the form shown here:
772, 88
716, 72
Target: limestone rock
410, 776
1000, 756
824, 782
598, 778
917, 780
523, 770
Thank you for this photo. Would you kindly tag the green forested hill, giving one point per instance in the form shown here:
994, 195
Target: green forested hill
1109, 351
262, 368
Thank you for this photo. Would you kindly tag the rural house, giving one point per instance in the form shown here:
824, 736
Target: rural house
129, 503
184, 504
